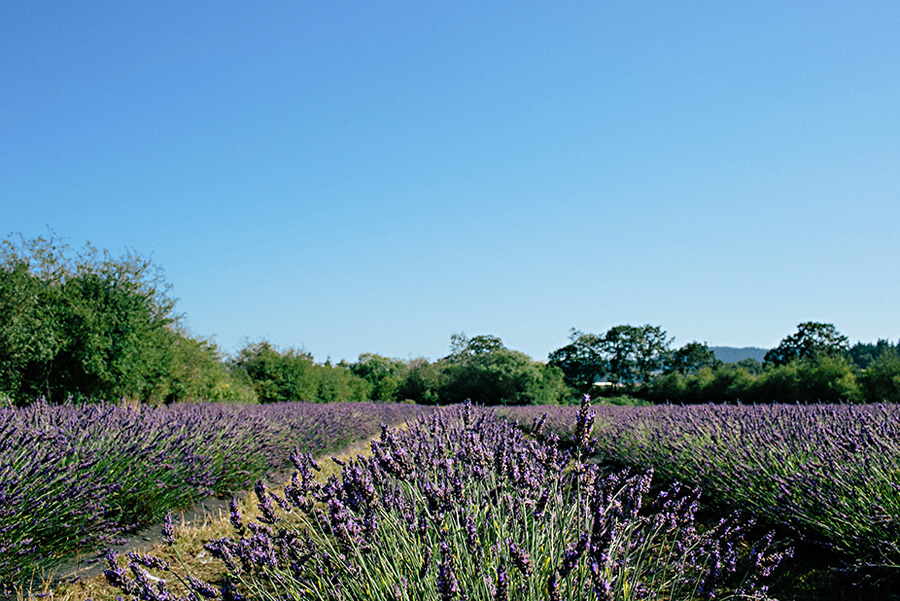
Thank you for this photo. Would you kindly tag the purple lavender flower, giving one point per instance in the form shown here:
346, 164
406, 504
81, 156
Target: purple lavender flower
235, 516
168, 529
520, 558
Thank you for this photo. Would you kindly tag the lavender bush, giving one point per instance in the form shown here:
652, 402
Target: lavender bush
831, 472
74, 477
462, 506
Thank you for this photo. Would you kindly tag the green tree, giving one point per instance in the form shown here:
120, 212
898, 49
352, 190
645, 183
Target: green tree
423, 382
634, 353
82, 324
863, 354
279, 376
484, 370
384, 375
197, 371
582, 361
338, 384
826, 379
880, 381
750, 365
690, 358
812, 340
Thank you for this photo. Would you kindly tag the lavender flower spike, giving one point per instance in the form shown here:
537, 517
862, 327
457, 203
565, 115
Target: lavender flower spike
168, 529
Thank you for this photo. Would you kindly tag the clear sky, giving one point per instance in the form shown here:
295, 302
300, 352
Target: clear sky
351, 177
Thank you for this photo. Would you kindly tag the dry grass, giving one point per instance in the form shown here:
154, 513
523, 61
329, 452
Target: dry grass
188, 554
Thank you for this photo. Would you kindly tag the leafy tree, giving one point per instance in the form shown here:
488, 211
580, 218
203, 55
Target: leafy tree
634, 353
690, 358
384, 375
863, 354
338, 384
620, 347
463, 348
881, 379
279, 376
812, 340
293, 375
627, 355
484, 370
750, 365
722, 383
582, 361
651, 349
197, 372
423, 382
80, 323
825, 379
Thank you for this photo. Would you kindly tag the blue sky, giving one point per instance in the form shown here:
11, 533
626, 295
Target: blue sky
352, 177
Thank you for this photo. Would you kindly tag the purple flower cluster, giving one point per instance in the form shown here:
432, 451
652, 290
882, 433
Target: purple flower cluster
462, 505
75, 477
830, 472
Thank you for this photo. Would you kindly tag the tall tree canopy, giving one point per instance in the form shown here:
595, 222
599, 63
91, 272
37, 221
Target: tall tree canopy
627, 355
690, 358
481, 368
582, 361
80, 323
812, 340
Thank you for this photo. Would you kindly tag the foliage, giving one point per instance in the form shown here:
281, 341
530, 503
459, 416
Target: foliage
292, 375
80, 323
197, 372
462, 506
582, 361
881, 380
384, 375
622, 400
88, 325
690, 358
863, 354
812, 340
423, 382
74, 477
338, 384
628, 355
826, 379
751, 366
483, 369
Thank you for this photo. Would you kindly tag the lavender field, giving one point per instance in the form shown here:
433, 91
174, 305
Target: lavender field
829, 473
461, 505
75, 477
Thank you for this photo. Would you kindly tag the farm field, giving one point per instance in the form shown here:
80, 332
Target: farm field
462, 502
462, 505
78, 477
826, 476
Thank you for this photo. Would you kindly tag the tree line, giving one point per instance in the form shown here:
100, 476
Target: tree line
814, 364
85, 325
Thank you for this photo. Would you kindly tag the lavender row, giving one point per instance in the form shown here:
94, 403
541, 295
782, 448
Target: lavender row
461, 506
75, 477
831, 472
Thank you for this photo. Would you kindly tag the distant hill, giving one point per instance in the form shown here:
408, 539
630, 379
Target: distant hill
731, 354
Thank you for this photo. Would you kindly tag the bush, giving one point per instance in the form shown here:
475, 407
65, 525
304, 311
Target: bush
881, 380
197, 372
292, 375
826, 379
